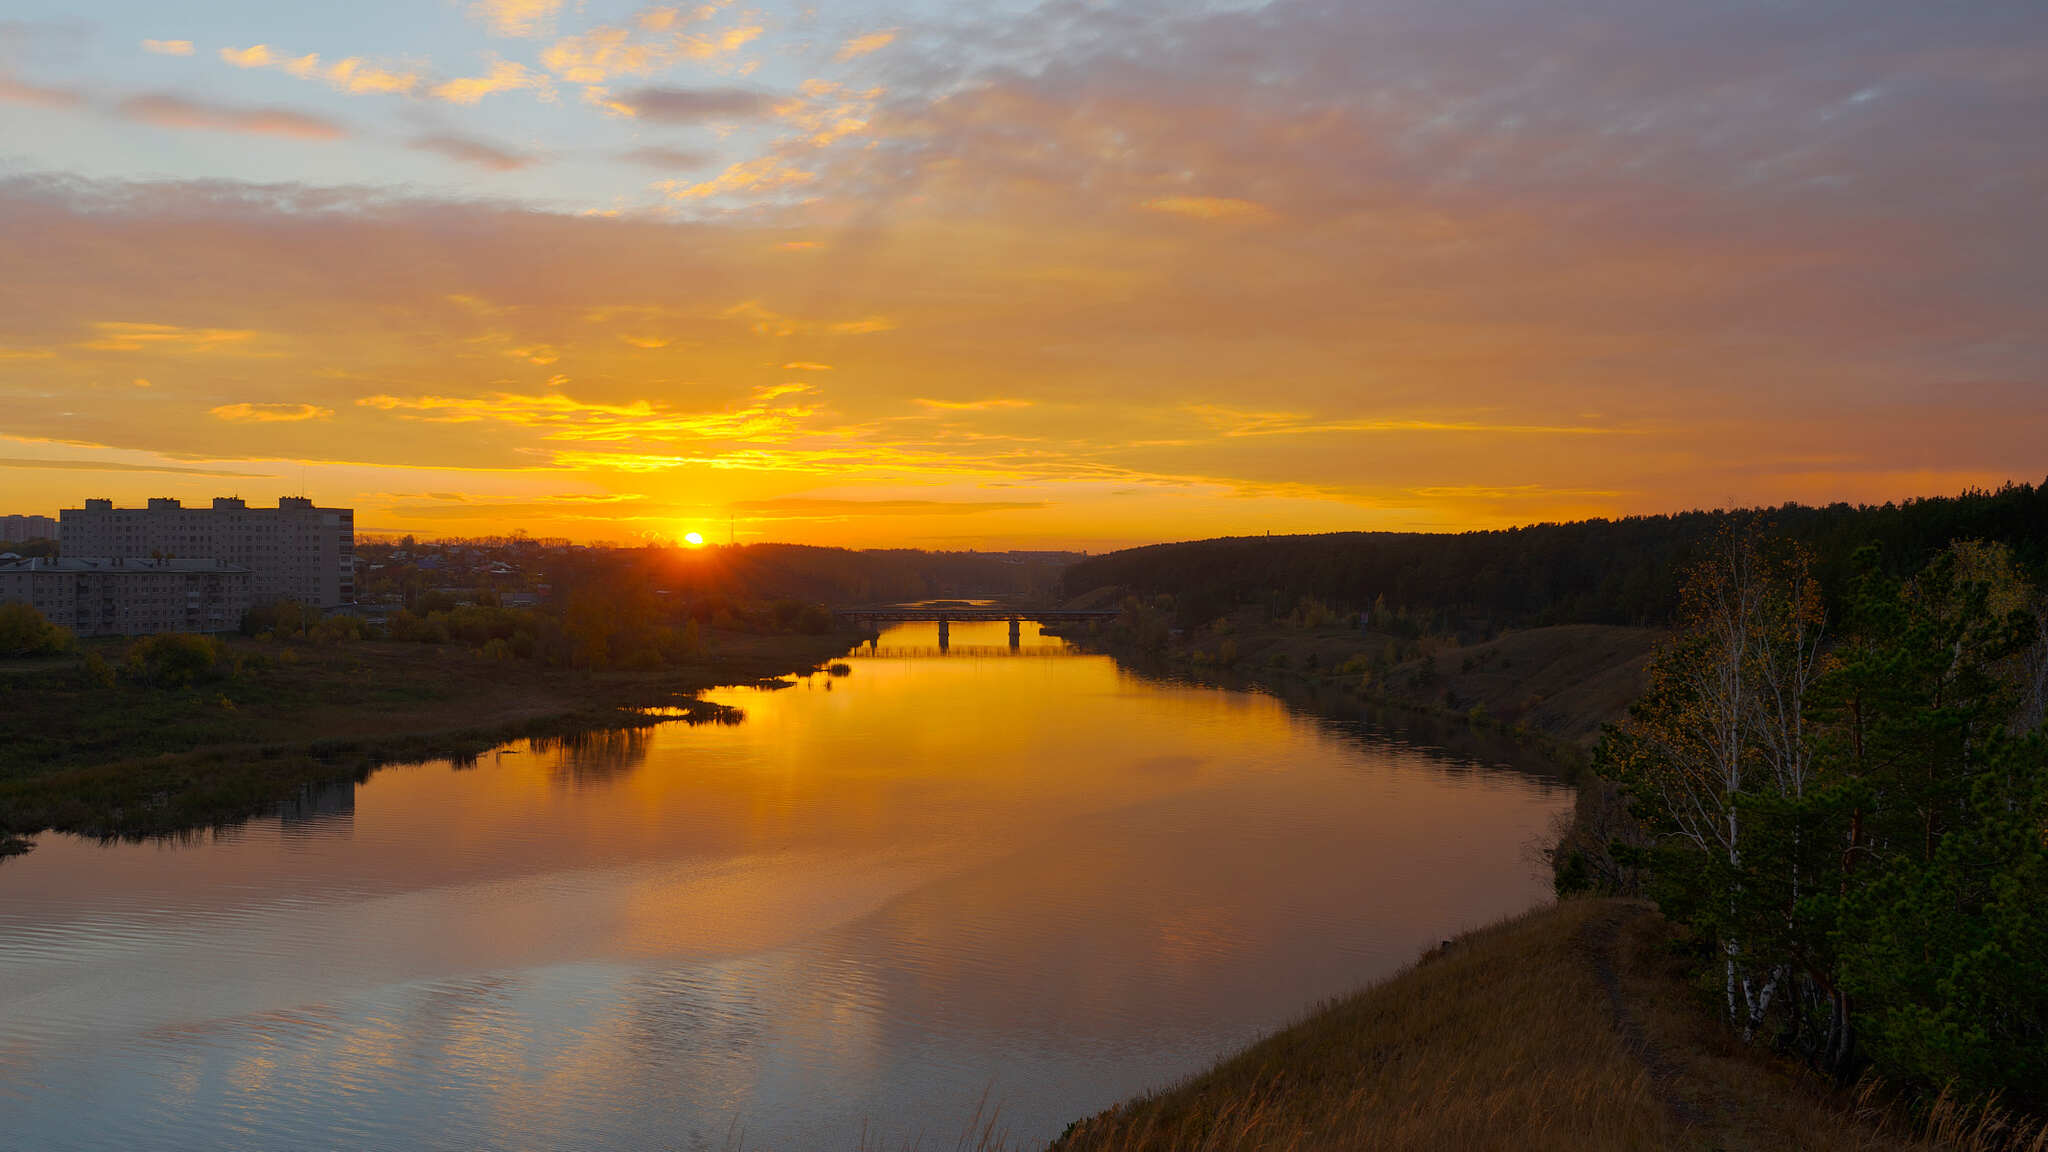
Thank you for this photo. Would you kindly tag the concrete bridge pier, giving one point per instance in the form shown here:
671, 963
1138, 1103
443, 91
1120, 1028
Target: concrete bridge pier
1016, 633
945, 634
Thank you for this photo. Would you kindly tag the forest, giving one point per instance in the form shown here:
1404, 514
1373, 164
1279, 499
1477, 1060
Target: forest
1847, 809
1625, 571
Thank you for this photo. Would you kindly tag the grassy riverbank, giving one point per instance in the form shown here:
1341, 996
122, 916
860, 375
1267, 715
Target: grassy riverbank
1568, 1028
101, 755
1550, 688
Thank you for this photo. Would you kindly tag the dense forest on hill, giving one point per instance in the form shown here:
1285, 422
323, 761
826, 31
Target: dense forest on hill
1626, 571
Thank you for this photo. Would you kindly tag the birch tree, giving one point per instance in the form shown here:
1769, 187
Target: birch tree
1722, 728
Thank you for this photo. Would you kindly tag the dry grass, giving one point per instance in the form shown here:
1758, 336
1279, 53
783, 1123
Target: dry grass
1500, 1041
1568, 1028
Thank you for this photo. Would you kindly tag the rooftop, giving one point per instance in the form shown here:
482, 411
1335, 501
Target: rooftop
102, 564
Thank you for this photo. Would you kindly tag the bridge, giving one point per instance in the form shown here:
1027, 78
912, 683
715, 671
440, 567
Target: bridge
975, 613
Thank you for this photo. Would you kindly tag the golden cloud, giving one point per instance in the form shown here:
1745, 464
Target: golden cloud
168, 47
504, 76
126, 336
351, 74
862, 45
972, 405
516, 17
254, 56
260, 413
1205, 207
610, 51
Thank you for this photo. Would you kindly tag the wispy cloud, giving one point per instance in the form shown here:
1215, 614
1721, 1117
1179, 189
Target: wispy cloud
808, 508
972, 405
762, 174
862, 45
516, 17
350, 74
261, 413
670, 159
503, 76
659, 40
690, 105
473, 152
17, 91
119, 466
131, 336
170, 110
1205, 207
168, 47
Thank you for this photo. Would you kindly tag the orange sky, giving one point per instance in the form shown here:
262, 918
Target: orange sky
970, 277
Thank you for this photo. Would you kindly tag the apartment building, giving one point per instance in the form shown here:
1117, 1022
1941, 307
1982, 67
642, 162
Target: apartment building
19, 528
295, 551
110, 597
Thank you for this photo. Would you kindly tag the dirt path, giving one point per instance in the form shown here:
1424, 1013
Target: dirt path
1600, 939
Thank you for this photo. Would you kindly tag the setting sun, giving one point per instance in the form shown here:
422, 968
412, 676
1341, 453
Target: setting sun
694, 539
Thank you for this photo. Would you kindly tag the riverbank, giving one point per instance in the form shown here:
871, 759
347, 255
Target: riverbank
1570, 1028
1549, 690
84, 752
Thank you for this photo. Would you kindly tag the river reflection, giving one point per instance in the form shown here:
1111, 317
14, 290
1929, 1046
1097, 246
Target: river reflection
878, 897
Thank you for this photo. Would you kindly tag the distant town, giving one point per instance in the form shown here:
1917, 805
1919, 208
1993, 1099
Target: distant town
99, 570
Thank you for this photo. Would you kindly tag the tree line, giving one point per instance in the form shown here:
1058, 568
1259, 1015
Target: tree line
1625, 571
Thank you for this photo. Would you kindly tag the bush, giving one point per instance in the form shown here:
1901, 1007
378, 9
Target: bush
174, 659
337, 630
279, 618
24, 632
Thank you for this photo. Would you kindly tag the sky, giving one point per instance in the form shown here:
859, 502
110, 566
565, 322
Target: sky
1015, 274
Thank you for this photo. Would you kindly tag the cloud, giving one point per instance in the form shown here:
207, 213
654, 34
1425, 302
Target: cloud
168, 47
351, 74
649, 46
825, 111
504, 76
270, 413
516, 17
119, 466
1205, 207
767, 417
254, 56
1641, 262
862, 45
691, 105
759, 175
170, 110
666, 158
972, 405
129, 336
14, 91
473, 152
805, 508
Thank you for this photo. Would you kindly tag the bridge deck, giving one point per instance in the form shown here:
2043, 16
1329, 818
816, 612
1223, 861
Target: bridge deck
966, 615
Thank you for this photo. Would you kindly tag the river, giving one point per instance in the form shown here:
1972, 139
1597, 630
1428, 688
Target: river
1022, 879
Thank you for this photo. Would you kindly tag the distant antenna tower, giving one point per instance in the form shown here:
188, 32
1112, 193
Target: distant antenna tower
730, 520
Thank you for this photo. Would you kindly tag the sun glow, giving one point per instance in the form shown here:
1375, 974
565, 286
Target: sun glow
694, 539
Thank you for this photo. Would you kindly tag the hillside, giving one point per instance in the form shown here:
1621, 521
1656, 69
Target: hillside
1566, 1029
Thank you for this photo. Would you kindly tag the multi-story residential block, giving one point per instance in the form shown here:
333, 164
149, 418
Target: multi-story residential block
28, 528
108, 597
294, 551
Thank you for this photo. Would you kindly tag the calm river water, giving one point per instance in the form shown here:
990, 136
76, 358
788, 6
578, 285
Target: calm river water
1032, 876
